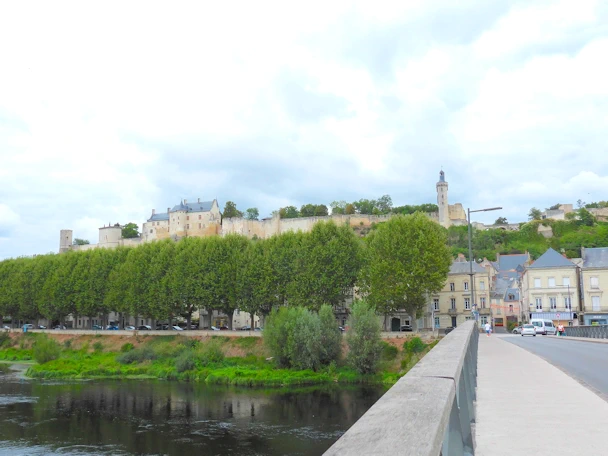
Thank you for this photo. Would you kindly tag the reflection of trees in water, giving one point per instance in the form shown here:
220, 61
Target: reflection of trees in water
177, 418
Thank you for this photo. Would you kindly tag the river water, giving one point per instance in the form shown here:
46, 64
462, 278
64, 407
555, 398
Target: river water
137, 417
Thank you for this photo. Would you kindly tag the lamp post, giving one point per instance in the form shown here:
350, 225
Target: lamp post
469, 211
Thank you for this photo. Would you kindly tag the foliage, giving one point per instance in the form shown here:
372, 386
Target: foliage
289, 212
230, 211
46, 349
363, 338
534, 214
411, 209
5, 339
130, 230
330, 339
407, 259
252, 213
79, 241
414, 345
127, 347
389, 351
501, 221
98, 347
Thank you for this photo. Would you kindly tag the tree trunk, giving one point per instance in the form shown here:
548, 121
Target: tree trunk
385, 319
252, 326
189, 321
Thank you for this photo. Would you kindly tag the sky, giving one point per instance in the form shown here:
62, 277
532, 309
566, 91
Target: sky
111, 109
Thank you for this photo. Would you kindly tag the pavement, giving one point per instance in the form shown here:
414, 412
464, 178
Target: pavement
526, 405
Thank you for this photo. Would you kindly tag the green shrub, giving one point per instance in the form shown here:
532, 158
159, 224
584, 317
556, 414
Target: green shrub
331, 338
189, 342
389, 351
4, 369
127, 347
211, 352
363, 338
97, 347
303, 340
5, 339
275, 335
46, 349
185, 361
67, 344
138, 355
414, 345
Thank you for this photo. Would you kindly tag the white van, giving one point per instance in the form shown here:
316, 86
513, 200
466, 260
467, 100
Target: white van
544, 327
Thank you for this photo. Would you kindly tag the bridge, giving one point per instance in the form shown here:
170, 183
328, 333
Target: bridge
492, 396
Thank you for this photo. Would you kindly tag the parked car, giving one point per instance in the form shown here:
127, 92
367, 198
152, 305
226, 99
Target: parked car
6, 327
96, 327
112, 327
144, 328
544, 327
341, 328
176, 328
517, 330
28, 326
60, 327
246, 328
259, 329
224, 328
162, 327
130, 328
528, 330
213, 328
406, 328
41, 327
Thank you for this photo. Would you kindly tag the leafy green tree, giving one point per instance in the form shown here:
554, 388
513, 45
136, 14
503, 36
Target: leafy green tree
585, 217
363, 338
407, 259
329, 262
364, 206
130, 230
384, 204
230, 211
289, 212
534, 214
330, 336
79, 241
252, 213
321, 210
307, 210
501, 221
284, 251
228, 273
338, 207
350, 209
554, 207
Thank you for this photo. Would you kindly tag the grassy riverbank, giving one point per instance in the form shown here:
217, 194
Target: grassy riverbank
225, 360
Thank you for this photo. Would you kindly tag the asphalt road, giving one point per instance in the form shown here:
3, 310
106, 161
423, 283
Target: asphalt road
587, 362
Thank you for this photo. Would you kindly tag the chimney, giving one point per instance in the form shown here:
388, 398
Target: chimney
153, 211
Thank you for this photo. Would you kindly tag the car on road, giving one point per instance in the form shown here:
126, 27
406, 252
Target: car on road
544, 327
246, 328
528, 330
213, 328
144, 328
112, 327
129, 328
517, 330
6, 327
176, 328
406, 328
96, 327
60, 327
41, 327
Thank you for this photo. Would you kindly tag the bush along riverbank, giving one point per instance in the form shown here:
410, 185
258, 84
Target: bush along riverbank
242, 361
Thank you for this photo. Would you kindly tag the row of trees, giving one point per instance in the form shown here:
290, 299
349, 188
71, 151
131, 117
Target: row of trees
395, 266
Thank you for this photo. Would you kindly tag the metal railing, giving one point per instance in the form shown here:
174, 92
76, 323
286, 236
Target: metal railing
428, 412
593, 332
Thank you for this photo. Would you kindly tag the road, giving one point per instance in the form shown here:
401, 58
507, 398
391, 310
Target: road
587, 362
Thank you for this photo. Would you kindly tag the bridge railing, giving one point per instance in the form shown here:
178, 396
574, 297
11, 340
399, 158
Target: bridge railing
428, 412
593, 332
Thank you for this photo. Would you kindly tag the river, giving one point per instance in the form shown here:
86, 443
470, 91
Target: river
148, 417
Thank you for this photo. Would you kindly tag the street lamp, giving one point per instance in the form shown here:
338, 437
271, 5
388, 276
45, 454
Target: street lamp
469, 211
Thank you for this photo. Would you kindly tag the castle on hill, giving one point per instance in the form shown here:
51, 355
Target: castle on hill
203, 218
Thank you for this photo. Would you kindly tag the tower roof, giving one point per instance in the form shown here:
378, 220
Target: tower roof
441, 176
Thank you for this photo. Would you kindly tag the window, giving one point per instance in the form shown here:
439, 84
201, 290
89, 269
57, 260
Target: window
436, 304
511, 308
142, 322
187, 217
551, 282
151, 230
453, 303
482, 301
482, 285
467, 304
468, 317
595, 302
568, 302
539, 303
511, 297
566, 281
437, 322
466, 286
595, 282
483, 319
536, 283
188, 226
452, 287
553, 303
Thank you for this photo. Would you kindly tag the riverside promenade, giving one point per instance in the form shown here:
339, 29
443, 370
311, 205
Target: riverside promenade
525, 405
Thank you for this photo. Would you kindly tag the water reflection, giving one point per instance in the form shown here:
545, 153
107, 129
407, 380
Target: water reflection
153, 417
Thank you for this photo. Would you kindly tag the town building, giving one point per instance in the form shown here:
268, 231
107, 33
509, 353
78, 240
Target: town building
594, 285
550, 289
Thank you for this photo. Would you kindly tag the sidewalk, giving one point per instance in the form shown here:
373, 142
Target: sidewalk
582, 339
527, 406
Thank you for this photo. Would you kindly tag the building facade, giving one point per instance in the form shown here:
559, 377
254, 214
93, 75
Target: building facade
594, 285
550, 287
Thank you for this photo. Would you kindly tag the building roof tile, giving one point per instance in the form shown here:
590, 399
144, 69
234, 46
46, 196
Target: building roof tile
595, 257
552, 259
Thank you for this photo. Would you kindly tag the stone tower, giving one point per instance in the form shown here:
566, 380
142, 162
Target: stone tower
442, 201
65, 240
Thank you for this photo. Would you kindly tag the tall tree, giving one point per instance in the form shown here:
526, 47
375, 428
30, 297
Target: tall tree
230, 211
338, 207
534, 214
130, 230
501, 221
289, 212
252, 213
79, 241
407, 259
321, 210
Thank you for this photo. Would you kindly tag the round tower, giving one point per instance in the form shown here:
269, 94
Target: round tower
442, 201
65, 240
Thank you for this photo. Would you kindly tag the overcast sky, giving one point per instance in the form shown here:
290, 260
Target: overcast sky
108, 111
